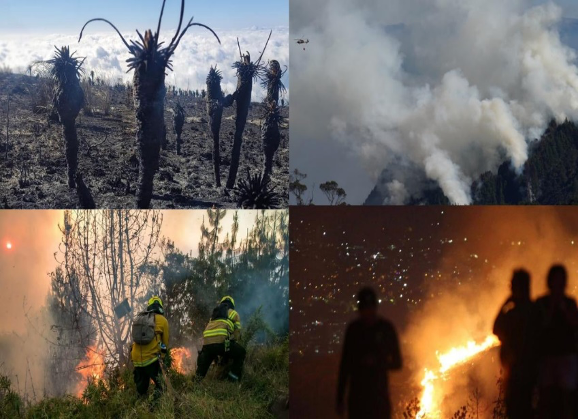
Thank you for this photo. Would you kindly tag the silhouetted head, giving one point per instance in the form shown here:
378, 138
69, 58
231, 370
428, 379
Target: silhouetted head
557, 280
367, 303
520, 285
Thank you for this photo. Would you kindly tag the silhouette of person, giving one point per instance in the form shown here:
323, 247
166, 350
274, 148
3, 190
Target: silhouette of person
557, 343
514, 326
370, 350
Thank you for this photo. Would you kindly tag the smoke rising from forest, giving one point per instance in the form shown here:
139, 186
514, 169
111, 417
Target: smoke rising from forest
454, 315
440, 91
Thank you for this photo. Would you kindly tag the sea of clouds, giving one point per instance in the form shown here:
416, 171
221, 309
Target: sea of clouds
106, 54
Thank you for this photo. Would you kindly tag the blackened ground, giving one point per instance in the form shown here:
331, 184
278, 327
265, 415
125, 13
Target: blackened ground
34, 173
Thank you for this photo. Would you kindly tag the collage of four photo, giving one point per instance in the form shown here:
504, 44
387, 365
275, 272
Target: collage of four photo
172, 247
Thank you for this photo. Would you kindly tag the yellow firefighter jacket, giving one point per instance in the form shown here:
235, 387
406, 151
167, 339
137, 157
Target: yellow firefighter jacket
219, 330
144, 355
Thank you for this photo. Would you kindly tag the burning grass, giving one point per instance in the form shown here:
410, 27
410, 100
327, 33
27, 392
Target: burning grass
182, 360
263, 393
431, 398
92, 368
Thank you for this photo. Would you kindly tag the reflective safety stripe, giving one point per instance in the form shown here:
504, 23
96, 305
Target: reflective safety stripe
145, 363
232, 315
215, 332
225, 321
218, 328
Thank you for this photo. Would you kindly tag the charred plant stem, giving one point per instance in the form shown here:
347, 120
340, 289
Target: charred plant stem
270, 136
240, 121
149, 100
214, 104
71, 150
216, 157
179, 144
243, 99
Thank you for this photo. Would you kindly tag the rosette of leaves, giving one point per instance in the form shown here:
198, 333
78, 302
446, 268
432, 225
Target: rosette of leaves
254, 193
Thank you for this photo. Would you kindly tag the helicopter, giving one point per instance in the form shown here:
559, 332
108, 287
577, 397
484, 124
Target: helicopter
302, 41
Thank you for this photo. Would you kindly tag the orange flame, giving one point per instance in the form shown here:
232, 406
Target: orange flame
430, 399
182, 361
92, 367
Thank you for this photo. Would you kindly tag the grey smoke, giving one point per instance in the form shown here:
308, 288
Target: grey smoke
272, 298
452, 88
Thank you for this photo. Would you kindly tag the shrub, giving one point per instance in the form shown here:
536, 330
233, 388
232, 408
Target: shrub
11, 405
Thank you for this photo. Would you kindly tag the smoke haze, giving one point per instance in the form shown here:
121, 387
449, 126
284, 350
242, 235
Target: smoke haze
434, 91
24, 282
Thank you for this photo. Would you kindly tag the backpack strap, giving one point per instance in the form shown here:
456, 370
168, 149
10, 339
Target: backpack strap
155, 327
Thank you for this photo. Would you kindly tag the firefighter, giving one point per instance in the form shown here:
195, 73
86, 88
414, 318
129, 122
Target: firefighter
221, 338
150, 341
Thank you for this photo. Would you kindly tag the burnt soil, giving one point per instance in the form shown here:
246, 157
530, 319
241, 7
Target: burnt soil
33, 175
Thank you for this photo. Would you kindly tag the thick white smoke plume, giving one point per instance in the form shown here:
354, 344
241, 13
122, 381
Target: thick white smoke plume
442, 90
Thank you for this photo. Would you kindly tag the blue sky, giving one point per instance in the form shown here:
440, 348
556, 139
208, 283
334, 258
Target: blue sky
65, 16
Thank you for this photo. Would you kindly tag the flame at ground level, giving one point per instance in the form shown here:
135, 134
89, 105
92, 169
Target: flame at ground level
182, 361
91, 367
456, 356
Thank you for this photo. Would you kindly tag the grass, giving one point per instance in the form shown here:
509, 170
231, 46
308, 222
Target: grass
265, 381
5, 69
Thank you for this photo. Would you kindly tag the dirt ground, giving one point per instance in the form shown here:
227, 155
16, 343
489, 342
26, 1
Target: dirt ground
33, 164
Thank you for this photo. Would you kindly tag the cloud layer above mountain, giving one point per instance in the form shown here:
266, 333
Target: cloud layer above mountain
106, 54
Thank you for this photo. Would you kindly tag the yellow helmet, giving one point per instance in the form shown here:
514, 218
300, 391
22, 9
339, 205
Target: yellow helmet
155, 299
229, 298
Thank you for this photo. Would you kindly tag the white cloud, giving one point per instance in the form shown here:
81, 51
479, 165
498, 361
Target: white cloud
106, 54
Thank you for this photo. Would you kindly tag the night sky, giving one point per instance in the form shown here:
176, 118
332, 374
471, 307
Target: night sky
412, 256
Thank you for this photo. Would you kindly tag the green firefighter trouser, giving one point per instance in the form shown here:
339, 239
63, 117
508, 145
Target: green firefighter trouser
143, 375
210, 352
